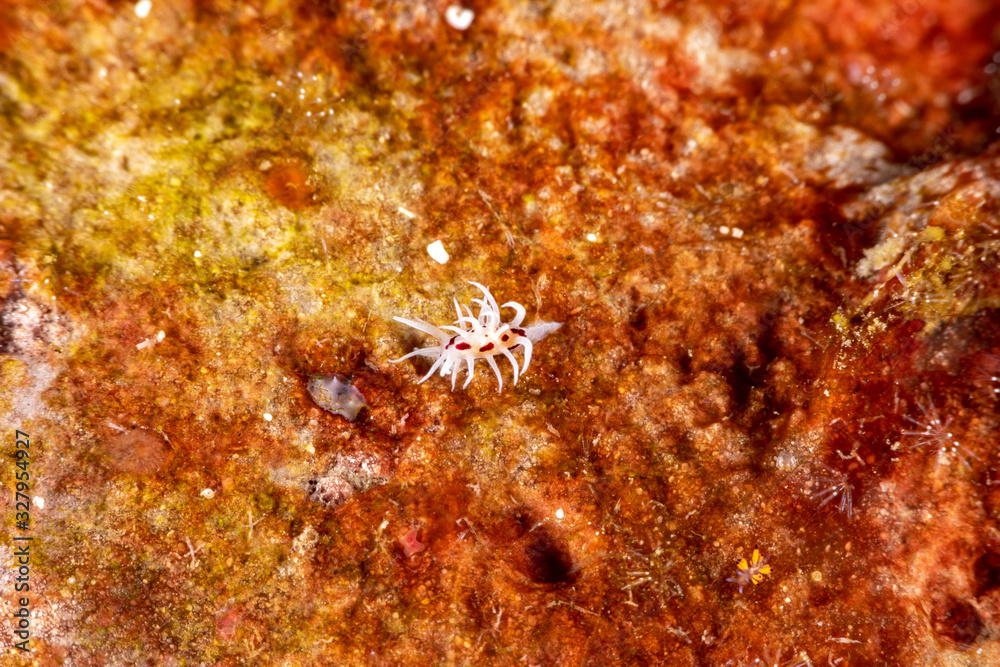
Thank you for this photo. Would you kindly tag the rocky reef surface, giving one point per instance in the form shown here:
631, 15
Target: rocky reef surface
772, 233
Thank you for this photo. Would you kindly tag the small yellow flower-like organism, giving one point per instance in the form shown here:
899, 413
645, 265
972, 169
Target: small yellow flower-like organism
753, 571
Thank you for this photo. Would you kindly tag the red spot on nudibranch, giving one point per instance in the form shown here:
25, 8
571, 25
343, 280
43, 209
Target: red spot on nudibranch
486, 348
463, 346
505, 338
519, 332
451, 342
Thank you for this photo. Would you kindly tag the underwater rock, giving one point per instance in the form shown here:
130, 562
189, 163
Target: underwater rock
772, 230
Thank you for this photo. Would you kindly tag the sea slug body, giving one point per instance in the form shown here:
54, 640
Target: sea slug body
483, 337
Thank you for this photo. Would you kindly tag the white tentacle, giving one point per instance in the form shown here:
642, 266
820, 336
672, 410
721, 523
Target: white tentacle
527, 352
519, 309
434, 367
496, 370
422, 352
488, 297
470, 373
428, 329
512, 360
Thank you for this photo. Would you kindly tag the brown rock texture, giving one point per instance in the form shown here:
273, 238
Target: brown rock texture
772, 233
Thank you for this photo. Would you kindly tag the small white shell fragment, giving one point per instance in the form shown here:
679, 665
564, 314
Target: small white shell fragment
438, 253
724, 230
143, 7
39, 502
268, 417
559, 513
459, 17
150, 342
592, 237
408, 213
737, 233
207, 493
197, 254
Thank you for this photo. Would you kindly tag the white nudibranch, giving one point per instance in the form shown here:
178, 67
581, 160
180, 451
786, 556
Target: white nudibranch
482, 337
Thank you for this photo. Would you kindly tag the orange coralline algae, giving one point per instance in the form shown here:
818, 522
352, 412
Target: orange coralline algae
771, 230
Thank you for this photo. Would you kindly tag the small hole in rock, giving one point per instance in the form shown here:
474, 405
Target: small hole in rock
547, 562
987, 572
956, 619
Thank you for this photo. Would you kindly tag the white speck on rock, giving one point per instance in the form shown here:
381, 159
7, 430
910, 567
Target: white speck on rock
143, 7
150, 342
438, 253
39, 502
268, 417
459, 17
207, 493
559, 513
